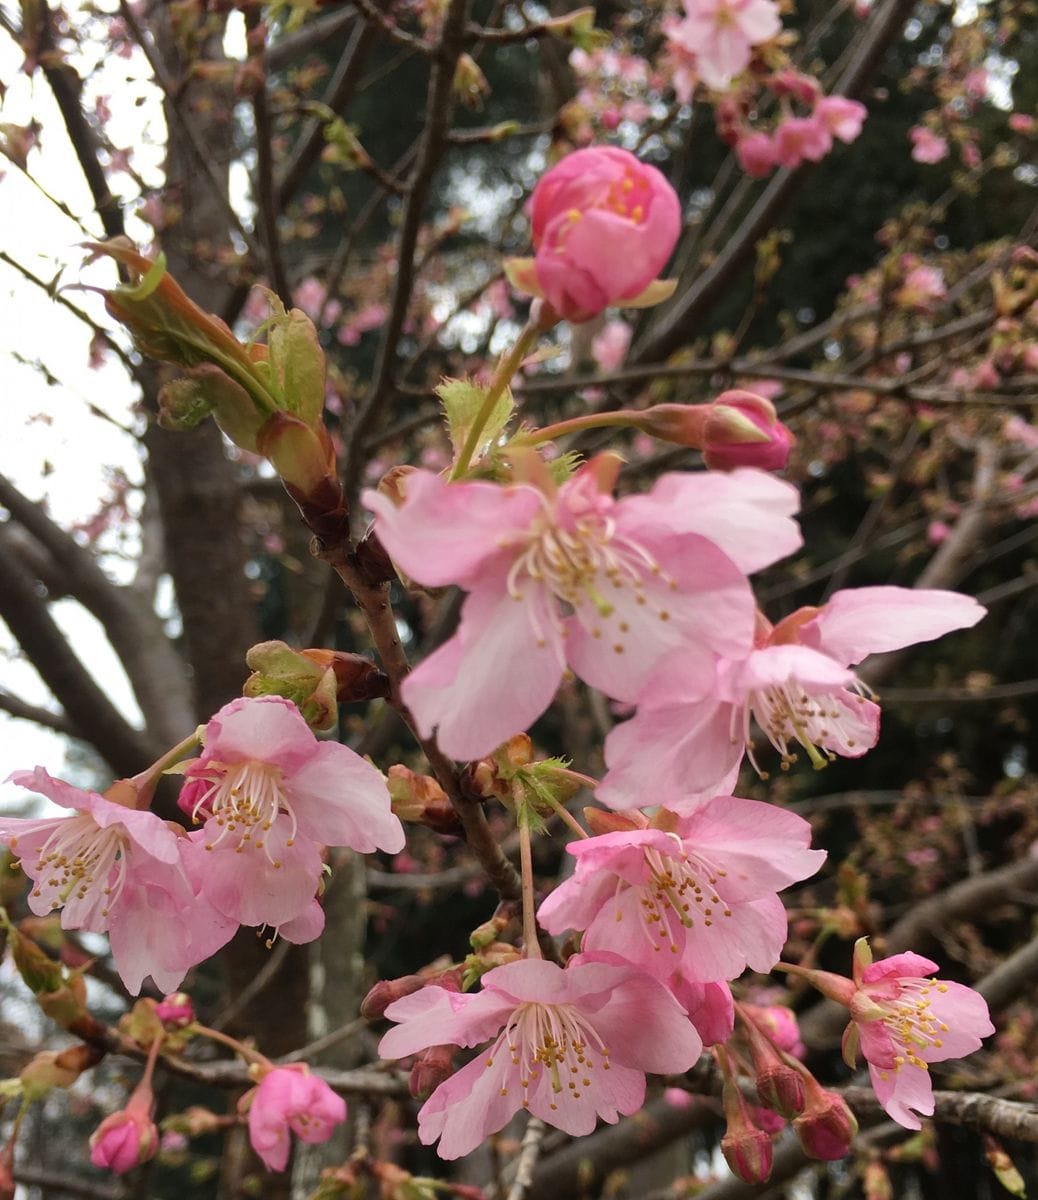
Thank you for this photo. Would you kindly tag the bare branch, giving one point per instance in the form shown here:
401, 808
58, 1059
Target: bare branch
440, 107
126, 749
39, 716
152, 664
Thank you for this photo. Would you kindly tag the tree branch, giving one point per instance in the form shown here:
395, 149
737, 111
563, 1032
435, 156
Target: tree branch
125, 749
152, 664
439, 107
679, 322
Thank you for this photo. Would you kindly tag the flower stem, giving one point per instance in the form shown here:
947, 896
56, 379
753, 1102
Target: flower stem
250, 1055
625, 418
562, 811
531, 946
506, 368
147, 780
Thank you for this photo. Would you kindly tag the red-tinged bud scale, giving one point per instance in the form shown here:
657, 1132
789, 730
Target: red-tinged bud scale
827, 1126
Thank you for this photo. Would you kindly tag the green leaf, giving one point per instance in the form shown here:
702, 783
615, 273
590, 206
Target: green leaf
462, 401
297, 365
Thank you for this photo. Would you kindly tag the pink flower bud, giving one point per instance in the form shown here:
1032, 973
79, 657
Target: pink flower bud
176, 1010
781, 1089
431, 1068
748, 1152
124, 1140
827, 1126
756, 154
386, 991
744, 431
604, 226
801, 138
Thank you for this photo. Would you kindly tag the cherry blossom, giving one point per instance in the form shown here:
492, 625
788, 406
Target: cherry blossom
693, 897
692, 726
568, 1045
270, 794
903, 1019
722, 33
800, 139
569, 576
843, 118
603, 227
112, 868
291, 1099
927, 146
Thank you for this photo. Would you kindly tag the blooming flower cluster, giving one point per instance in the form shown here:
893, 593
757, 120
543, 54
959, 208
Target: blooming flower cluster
268, 796
647, 598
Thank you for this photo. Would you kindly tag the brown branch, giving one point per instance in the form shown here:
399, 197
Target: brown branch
369, 11
972, 1110
39, 716
126, 749
152, 664
266, 192
963, 695
439, 107
679, 322
340, 90
67, 87
313, 35
54, 1183
195, 141
373, 601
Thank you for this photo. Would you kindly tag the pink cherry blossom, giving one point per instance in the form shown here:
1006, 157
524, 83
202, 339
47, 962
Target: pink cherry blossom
111, 868
800, 139
606, 586
693, 897
722, 33
927, 146
923, 286
270, 795
692, 726
903, 1019
609, 347
291, 1099
603, 226
843, 118
756, 154
568, 1045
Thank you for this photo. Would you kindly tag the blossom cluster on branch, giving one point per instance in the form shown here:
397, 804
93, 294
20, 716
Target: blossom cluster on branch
647, 598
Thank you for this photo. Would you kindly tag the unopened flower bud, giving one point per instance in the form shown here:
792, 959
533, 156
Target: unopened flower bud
302, 454
394, 483
7, 1186
317, 681
197, 1121
486, 934
601, 821
746, 1149
48, 1070
748, 1152
827, 1126
420, 800
386, 991
744, 431
469, 83
124, 1140
875, 1181
431, 1068
176, 1010
781, 1088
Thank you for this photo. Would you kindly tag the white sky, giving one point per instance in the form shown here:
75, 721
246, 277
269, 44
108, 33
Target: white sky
52, 446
